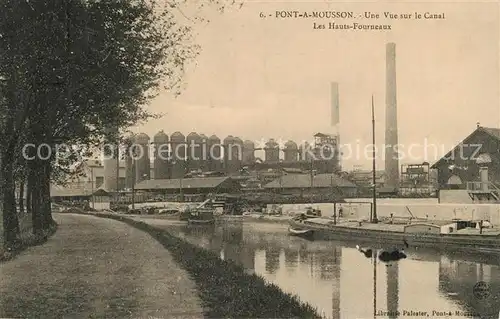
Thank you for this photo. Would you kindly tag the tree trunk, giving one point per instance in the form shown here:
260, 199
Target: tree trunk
36, 214
10, 220
29, 184
45, 195
21, 196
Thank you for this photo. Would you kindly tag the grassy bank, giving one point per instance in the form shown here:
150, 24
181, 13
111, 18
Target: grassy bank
225, 289
27, 239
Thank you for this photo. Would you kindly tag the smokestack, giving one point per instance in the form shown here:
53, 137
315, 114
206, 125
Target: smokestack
391, 120
335, 104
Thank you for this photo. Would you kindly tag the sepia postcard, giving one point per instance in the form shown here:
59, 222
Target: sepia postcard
249, 159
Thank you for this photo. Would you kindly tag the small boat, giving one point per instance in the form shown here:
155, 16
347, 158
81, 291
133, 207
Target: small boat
201, 221
307, 233
201, 216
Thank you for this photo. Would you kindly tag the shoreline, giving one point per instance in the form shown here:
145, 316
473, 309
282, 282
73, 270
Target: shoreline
224, 287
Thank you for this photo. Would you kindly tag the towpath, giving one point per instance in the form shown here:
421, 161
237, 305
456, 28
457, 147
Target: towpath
96, 268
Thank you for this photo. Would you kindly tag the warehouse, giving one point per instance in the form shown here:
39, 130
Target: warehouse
322, 184
196, 185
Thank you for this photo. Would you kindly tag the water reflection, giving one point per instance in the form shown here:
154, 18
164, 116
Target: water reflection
342, 283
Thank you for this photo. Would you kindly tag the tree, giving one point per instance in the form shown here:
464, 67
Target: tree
71, 69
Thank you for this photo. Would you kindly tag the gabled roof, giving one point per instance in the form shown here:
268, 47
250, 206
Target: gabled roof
493, 132
304, 181
196, 182
69, 192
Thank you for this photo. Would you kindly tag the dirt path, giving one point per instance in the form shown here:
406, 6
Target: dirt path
96, 268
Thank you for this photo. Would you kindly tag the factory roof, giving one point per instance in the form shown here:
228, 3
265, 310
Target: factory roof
195, 182
304, 181
83, 191
492, 132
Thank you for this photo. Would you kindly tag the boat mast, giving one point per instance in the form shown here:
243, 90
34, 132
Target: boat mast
374, 216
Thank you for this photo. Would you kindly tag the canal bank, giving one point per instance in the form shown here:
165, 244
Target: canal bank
225, 289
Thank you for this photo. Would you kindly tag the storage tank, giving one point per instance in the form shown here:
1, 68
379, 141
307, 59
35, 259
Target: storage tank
305, 152
161, 167
204, 152
229, 155
272, 151
142, 163
129, 163
215, 155
291, 151
110, 160
237, 152
248, 157
193, 151
178, 149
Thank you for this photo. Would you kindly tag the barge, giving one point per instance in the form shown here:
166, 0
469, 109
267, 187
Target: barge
457, 234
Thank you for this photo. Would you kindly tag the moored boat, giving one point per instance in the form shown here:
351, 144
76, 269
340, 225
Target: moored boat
434, 234
307, 233
201, 216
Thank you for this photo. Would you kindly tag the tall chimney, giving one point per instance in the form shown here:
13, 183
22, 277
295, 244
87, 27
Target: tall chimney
335, 104
391, 121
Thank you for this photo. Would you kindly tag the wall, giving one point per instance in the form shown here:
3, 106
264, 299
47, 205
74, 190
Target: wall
423, 229
432, 211
457, 196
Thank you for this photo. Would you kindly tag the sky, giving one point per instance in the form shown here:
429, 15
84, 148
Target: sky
260, 78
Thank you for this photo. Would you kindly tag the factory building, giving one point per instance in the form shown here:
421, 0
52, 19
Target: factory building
471, 170
321, 184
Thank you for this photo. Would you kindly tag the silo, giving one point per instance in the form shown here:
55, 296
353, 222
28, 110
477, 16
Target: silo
237, 153
129, 163
227, 144
204, 152
142, 164
178, 151
248, 152
305, 152
291, 151
193, 151
161, 167
110, 161
272, 151
215, 156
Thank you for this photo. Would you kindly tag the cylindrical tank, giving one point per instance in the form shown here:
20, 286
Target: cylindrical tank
204, 152
215, 155
248, 152
291, 151
272, 151
142, 163
178, 151
161, 163
110, 161
237, 151
193, 151
306, 152
129, 163
228, 154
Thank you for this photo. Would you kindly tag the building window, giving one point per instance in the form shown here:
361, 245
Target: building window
99, 180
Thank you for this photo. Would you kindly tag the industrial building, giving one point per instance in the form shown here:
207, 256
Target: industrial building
196, 185
471, 170
307, 185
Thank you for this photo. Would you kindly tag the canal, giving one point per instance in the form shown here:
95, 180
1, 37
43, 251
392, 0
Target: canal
342, 283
